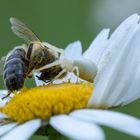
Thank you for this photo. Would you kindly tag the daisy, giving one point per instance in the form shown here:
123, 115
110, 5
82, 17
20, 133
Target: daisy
66, 106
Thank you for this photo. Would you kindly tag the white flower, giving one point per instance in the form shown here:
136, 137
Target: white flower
116, 83
118, 61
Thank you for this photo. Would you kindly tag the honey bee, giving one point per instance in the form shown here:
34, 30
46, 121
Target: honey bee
37, 56
15, 68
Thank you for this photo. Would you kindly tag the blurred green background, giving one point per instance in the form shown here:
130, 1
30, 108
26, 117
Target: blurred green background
61, 22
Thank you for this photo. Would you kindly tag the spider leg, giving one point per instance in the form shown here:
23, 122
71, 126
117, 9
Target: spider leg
57, 62
57, 76
76, 70
62, 72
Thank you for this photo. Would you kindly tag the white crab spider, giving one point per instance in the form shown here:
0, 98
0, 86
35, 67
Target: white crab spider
83, 67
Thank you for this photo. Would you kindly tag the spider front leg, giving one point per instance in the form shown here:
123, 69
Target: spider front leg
57, 62
76, 71
60, 74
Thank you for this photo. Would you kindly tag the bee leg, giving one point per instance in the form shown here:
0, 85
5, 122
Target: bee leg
76, 70
59, 75
6, 95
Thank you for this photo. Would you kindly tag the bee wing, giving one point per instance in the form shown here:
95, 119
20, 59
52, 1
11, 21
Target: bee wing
2, 61
22, 31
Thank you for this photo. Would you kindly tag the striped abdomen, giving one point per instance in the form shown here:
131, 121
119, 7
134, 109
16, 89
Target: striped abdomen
15, 69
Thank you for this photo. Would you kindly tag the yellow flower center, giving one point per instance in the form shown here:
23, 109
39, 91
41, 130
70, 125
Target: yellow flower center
44, 102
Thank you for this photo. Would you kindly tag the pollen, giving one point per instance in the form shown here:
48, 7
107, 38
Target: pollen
46, 101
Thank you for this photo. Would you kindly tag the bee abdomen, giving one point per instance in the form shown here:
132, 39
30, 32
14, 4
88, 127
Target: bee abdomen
17, 53
15, 70
14, 82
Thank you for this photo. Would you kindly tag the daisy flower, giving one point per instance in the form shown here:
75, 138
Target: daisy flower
74, 109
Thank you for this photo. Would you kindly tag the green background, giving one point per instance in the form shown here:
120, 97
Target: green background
61, 22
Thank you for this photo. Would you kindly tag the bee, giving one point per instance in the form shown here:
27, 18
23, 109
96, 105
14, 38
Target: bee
37, 56
15, 68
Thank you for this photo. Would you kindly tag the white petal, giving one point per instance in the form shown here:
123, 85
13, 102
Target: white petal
118, 38
3, 93
73, 50
2, 116
130, 21
76, 129
70, 77
97, 47
65, 79
6, 128
117, 82
24, 131
2, 102
118, 121
73, 78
